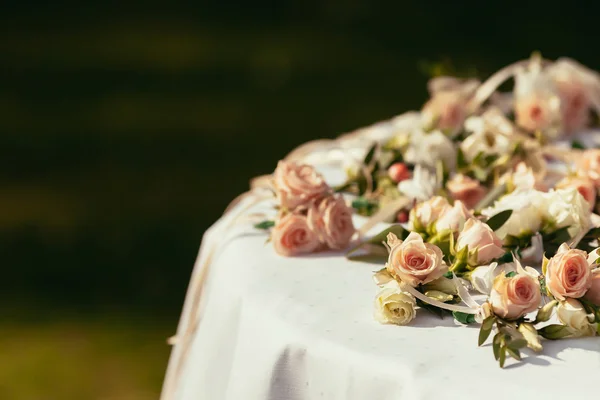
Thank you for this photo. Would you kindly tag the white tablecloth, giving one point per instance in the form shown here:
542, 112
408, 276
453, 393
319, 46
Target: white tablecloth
275, 328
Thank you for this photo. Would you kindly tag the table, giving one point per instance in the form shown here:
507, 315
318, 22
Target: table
275, 328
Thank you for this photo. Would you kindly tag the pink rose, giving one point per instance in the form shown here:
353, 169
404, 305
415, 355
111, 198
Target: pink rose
513, 297
332, 222
298, 185
479, 236
583, 185
568, 273
589, 165
428, 212
446, 110
292, 236
453, 218
414, 262
535, 111
593, 293
574, 104
466, 189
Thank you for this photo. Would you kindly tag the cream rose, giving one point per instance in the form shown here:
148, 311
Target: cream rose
589, 165
479, 237
453, 218
292, 236
394, 306
568, 273
513, 297
331, 220
298, 185
428, 212
572, 314
415, 262
583, 185
465, 189
593, 293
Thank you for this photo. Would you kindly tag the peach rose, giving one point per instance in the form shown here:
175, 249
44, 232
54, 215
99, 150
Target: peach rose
428, 212
453, 218
479, 236
583, 185
568, 273
574, 104
414, 262
298, 185
332, 222
536, 111
466, 189
593, 293
446, 110
513, 297
292, 236
589, 165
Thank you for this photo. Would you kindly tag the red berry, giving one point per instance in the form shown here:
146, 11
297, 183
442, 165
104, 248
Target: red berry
399, 172
402, 216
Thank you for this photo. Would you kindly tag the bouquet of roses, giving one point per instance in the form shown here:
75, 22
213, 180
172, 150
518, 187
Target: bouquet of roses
310, 216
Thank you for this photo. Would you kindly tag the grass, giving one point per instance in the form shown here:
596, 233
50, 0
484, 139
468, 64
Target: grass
104, 358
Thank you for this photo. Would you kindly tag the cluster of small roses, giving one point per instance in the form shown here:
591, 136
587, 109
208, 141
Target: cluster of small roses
445, 240
311, 217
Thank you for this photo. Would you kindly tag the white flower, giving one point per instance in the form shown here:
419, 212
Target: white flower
453, 218
423, 185
429, 148
566, 207
483, 141
571, 313
394, 306
526, 217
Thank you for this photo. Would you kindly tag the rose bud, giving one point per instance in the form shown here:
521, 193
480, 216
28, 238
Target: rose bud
399, 172
402, 216
479, 237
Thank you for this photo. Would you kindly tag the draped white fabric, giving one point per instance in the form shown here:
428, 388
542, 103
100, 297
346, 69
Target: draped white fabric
275, 328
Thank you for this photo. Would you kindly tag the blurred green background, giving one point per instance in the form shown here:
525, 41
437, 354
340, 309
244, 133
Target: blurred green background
126, 128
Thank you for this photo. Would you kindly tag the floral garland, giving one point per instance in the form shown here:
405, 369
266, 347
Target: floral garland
480, 184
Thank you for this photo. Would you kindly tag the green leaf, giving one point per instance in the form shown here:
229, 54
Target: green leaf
554, 331
463, 318
496, 344
502, 357
516, 344
448, 275
265, 225
575, 144
488, 323
510, 274
499, 219
370, 154
461, 161
484, 334
514, 353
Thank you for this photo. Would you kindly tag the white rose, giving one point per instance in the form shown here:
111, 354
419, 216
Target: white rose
526, 217
394, 306
486, 142
566, 207
429, 148
453, 218
572, 314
